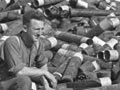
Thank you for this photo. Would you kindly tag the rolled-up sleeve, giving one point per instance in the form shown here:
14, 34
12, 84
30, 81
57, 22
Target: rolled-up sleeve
41, 60
12, 55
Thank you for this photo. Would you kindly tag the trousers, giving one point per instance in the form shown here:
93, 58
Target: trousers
16, 83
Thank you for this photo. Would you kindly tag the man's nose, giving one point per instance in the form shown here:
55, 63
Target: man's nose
38, 33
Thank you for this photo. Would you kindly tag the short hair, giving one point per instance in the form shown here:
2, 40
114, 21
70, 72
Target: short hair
33, 14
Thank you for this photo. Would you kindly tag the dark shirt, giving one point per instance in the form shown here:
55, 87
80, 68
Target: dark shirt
19, 54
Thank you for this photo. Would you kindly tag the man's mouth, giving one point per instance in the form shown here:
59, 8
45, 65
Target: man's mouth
36, 36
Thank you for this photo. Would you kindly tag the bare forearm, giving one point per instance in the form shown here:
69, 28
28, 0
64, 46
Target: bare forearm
31, 71
35, 72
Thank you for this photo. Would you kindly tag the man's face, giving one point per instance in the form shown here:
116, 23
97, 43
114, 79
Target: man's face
36, 29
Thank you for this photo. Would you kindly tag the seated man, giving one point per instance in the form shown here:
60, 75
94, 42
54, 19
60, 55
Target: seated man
23, 51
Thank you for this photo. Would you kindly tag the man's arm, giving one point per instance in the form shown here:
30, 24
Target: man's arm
31, 71
35, 72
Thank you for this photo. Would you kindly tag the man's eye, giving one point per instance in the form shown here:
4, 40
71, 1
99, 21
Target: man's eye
37, 29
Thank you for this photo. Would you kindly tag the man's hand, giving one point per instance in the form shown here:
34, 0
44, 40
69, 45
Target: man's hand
52, 79
46, 84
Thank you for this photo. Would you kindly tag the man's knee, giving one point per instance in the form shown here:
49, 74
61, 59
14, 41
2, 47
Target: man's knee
24, 80
21, 83
16, 83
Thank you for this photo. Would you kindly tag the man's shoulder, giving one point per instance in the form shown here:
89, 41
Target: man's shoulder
12, 40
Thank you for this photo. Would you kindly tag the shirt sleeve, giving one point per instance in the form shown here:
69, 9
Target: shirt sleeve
41, 56
12, 55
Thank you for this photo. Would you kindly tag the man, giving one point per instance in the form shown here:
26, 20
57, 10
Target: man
21, 53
